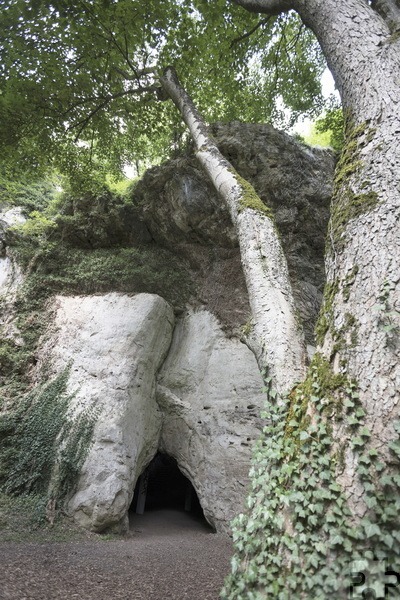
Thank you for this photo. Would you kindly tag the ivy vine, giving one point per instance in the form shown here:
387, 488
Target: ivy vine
42, 445
299, 536
388, 315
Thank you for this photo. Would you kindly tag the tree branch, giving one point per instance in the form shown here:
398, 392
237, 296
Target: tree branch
249, 33
278, 342
83, 123
269, 7
389, 10
138, 73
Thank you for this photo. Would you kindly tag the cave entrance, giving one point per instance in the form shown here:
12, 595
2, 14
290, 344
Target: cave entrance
163, 489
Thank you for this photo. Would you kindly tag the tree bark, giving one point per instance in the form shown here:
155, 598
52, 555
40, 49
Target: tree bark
279, 342
359, 326
362, 260
364, 244
389, 11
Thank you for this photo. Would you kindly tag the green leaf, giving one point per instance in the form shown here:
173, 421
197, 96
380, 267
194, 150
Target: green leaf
371, 529
371, 502
336, 540
365, 432
358, 442
347, 403
388, 540
335, 487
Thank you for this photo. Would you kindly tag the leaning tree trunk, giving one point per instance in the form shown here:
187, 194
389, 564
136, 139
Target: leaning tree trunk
326, 483
277, 332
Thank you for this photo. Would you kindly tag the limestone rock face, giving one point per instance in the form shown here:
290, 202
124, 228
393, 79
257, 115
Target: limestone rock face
197, 399
190, 389
210, 394
182, 211
114, 344
10, 273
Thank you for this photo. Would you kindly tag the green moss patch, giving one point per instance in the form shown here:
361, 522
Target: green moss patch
330, 387
250, 198
325, 318
325, 321
346, 203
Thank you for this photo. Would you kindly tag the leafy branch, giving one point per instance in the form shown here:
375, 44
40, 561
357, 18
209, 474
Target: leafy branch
246, 35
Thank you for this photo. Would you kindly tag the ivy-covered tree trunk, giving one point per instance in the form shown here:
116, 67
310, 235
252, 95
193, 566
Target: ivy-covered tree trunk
359, 325
326, 477
278, 338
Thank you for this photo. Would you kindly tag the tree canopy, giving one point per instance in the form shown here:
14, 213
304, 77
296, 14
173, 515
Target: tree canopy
79, 81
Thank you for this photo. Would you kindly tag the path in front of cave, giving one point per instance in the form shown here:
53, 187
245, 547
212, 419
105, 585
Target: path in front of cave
168, 555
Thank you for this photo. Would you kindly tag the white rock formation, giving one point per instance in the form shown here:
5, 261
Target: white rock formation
10, 273
210, 394
114, 344
204, 411
10, 276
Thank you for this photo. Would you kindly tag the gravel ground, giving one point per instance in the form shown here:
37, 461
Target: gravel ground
167, 556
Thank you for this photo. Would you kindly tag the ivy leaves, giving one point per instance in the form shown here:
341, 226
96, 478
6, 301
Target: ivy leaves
300, 525
41, 434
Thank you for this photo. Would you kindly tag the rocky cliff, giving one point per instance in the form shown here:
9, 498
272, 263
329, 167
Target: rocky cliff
142, 304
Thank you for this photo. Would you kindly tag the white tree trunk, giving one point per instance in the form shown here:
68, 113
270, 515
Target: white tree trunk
279, 340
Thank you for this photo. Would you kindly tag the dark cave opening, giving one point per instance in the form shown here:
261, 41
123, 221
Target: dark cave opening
162, 486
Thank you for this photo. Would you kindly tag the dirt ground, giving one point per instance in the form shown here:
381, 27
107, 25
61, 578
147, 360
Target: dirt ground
168, 555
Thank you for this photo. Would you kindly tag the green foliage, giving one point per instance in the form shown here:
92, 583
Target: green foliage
41, 442
92, 243
17, 355
26, 513
37, 226
29, 194
332, 125
314, 137
22, 519
82, 72
299, 536
63, 269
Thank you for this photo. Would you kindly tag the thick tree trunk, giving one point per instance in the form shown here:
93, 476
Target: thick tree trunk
364, 246
360, 324
343, 424
279, 340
